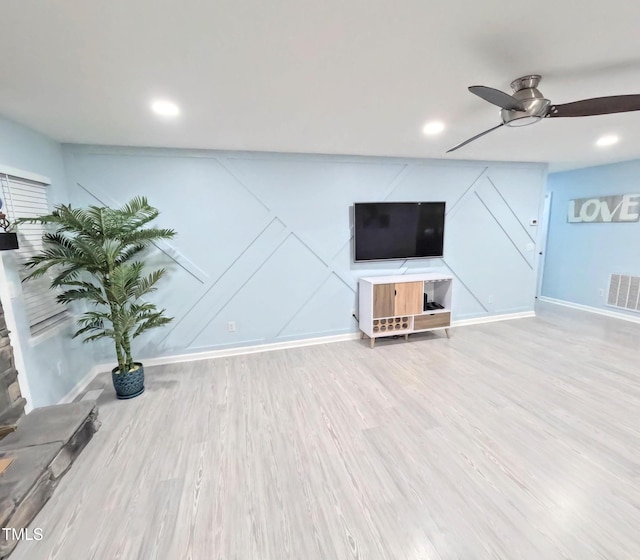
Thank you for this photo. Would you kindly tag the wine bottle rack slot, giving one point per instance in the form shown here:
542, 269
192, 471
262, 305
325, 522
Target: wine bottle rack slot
390, 324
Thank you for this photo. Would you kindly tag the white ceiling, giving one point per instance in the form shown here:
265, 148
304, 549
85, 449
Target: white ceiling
330, 76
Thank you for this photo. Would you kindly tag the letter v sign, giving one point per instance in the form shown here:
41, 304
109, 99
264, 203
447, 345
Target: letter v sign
606, 213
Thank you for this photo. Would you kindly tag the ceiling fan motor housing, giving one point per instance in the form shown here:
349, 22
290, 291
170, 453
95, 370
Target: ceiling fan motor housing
528, 106
535, 104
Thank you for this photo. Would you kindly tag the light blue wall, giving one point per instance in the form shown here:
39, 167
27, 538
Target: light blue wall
264, 239
55, 364
580, 257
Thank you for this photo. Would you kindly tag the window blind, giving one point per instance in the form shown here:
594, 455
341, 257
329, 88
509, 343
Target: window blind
28, 199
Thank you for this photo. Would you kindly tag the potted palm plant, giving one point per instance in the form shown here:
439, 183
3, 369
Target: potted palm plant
93, 255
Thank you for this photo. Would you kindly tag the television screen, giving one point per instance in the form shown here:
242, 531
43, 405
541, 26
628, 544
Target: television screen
398, 230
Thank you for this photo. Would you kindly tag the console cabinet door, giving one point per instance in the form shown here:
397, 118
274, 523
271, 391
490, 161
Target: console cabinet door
409, 298
383, 300
392, 300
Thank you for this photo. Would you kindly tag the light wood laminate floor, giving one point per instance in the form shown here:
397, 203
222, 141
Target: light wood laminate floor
513, 440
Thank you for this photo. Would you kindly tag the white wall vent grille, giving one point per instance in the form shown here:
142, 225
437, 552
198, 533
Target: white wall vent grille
624, 292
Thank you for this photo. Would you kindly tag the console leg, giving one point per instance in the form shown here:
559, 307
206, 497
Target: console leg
373, 341
406, 337
361, 334
448, 334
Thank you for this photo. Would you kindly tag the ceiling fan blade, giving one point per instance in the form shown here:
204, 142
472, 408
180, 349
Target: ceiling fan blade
497, 97
596, 106
474, 138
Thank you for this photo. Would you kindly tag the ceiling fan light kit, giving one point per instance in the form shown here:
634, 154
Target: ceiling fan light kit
528, 106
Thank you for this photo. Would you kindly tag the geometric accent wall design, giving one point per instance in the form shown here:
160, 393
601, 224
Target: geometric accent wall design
264, 240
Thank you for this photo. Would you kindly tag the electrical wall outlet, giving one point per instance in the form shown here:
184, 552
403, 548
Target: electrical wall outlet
490, 299
601, 292
231, 326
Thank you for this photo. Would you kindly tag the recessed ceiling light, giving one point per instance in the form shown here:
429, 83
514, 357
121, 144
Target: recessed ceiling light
607, 140
433, 127
165, 108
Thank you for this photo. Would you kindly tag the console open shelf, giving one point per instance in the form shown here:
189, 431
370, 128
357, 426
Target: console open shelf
393, 305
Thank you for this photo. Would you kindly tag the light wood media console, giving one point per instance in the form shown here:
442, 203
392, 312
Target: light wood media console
394, 305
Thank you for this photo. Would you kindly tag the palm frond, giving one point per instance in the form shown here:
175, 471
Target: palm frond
153, 321
92, 321
86, 291
146, 236
67, 276
128, 252
107, 333
147, 284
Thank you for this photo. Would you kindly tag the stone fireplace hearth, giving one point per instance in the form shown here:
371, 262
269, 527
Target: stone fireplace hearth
36, 449
11, 400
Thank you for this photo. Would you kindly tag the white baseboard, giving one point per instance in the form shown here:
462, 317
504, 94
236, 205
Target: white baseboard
597, 310
241, 350
211, 354
492, 318
82, 384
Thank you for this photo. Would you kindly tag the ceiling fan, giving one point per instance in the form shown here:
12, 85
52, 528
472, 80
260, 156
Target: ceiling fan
527, 105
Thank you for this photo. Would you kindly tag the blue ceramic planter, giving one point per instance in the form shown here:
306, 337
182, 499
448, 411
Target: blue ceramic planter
130, 384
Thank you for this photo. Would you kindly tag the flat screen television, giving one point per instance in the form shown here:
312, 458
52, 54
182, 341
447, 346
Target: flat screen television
398, 230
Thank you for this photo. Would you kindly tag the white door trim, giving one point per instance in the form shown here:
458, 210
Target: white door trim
542, 242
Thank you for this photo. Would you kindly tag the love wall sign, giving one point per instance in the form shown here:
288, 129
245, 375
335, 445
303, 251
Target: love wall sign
603, 209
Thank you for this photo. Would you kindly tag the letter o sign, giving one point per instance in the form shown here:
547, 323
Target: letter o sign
590, 210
